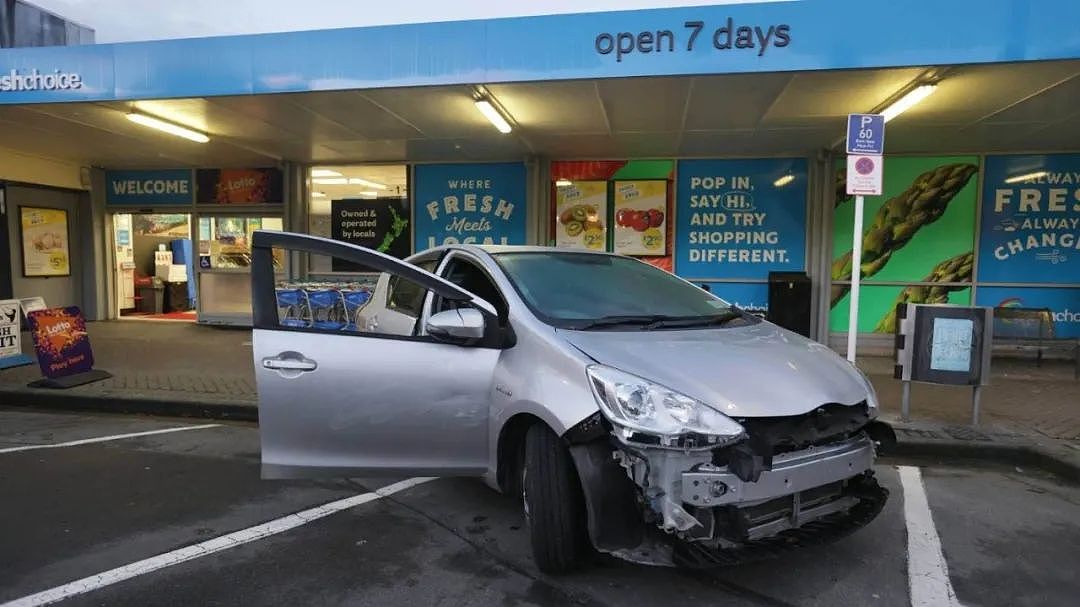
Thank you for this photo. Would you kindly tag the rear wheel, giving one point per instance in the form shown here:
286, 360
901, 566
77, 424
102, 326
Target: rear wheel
554, 506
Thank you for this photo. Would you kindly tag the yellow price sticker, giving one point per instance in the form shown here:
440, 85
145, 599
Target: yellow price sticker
652, 239
594, 238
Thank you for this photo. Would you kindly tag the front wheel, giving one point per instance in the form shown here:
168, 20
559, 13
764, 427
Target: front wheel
553, 502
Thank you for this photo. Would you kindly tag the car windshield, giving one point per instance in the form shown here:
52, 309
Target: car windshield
587, 291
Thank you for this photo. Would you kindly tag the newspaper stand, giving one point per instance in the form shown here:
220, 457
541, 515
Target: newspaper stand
943, 344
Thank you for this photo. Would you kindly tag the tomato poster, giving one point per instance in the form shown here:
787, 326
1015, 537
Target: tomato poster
581, 210
640, 217
61, 341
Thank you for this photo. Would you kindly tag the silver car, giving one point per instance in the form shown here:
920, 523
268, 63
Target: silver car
633, 412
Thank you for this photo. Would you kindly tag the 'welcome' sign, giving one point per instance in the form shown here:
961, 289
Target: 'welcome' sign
142, 188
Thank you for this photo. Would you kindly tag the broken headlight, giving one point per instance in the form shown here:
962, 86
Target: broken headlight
638, 405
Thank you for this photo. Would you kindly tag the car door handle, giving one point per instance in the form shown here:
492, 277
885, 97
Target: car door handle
289, 363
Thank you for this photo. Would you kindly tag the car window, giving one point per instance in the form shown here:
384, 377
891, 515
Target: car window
571, 290
405, 296
472, 278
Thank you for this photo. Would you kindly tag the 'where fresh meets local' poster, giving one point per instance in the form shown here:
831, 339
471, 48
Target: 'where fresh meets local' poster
469, 204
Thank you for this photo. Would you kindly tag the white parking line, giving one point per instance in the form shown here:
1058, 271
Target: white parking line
208, 547
928, 573
102, 439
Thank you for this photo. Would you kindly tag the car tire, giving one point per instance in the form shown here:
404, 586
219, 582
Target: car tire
553, 502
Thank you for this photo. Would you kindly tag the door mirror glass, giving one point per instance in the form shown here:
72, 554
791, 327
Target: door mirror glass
462, 326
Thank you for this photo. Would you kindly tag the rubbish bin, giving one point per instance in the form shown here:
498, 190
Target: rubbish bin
176, 296
789, 301
151, 297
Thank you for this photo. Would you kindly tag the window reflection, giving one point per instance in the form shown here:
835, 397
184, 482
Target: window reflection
225, 242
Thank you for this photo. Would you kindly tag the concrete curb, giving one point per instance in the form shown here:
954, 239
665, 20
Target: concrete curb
130, 403
928, 443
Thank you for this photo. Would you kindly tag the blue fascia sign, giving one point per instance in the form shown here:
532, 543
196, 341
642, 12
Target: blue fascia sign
1030, 220
740, 219
469, 204
866, 134
763, 36
152, 187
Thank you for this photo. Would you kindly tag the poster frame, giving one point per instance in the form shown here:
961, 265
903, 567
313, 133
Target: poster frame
22, 242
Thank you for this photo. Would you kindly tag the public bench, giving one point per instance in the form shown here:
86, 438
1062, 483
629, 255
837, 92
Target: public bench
1032, 329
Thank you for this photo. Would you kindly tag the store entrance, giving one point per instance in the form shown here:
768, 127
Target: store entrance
154, 271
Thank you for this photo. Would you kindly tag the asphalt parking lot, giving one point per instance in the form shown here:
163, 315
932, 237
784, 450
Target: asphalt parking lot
181, 517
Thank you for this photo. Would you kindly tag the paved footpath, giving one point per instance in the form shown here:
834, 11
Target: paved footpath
189, 369
130, 510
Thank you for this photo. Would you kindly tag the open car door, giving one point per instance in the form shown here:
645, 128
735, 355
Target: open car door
339, 399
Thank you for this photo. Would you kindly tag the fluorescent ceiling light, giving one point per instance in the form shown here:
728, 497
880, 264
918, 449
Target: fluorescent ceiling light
369, 194
318, 195
167, 127
784, 180
331, 181
324, 173
493, 115
908, 101
1027, 177
370, 184
562, 183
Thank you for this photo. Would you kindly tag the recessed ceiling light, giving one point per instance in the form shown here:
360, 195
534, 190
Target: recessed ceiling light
369, 194
493, 115
330, 181
908, 101
168, 127
784, 180
1027, 177
370, 184
318, 195
562, 183
324, 173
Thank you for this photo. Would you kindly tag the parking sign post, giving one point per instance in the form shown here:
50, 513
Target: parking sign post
865, 147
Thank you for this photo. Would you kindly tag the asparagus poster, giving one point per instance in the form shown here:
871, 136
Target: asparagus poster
740, 219
381, 224
1031, 219
918, 239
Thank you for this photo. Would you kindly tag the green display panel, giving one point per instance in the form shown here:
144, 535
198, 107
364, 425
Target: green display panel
922, 230
878, 302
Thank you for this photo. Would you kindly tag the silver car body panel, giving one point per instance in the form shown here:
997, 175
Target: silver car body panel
759, 370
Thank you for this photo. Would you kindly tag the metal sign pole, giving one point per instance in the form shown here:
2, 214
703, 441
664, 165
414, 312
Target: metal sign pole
856, 275
905, 402
976, 396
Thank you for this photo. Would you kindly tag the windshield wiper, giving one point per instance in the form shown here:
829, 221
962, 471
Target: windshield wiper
624, 320
694, 321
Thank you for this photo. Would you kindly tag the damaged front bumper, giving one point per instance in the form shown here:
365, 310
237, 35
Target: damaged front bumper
721, 506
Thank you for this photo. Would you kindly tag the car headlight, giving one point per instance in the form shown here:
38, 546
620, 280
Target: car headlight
639, 405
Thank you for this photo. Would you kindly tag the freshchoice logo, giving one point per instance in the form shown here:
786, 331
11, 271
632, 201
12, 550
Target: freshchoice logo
37, 81
1066, 315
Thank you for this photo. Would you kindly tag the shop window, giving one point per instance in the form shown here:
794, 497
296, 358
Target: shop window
360, 204
225, 242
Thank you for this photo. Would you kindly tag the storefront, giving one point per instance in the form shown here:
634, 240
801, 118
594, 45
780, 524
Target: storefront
181, 240
703, 140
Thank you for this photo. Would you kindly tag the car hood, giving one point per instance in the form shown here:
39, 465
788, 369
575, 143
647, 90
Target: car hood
758, 370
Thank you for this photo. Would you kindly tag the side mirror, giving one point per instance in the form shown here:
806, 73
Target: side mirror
461, 326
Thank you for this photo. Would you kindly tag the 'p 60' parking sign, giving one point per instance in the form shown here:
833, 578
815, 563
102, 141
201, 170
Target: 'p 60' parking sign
866, 134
